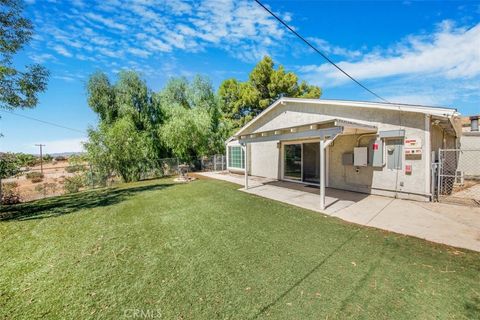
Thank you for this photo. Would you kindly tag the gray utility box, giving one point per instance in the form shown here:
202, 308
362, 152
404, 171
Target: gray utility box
377, 153
347, 159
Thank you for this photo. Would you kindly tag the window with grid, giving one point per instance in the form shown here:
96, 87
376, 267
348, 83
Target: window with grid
236, 158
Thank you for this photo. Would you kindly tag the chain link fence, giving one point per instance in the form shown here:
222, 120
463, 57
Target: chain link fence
61, 177
458, 179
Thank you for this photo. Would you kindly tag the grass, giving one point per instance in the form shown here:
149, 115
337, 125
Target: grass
204, 250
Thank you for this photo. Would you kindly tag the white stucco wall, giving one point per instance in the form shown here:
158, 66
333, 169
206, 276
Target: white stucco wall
264, 159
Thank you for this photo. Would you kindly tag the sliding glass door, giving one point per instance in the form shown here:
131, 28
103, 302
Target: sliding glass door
302, 162
311, 162
293, 162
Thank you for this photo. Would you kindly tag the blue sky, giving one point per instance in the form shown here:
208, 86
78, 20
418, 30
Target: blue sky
425, 52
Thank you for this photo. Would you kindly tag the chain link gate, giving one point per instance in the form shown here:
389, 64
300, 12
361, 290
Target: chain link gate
458, 179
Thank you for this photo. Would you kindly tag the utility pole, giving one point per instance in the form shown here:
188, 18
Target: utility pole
41, 156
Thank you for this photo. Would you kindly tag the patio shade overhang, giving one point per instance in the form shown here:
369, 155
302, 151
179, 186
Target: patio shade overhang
324, 130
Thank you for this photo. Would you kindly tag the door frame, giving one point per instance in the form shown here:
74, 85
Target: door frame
301, 142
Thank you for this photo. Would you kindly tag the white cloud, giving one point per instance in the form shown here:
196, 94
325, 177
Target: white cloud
106, 21
42, 58
122, 29
64, 78
139, 52
330, 49
450, 52
62, 50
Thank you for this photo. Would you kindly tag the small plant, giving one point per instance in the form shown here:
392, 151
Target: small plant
73, 184
36, 179
34, 175
74, 168
46, 188
10, 194
9, 185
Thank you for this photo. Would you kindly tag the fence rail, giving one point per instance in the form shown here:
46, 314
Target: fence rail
59, 178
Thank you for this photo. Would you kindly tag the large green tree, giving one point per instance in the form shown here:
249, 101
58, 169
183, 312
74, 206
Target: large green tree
137, 127
242, 101
120, 148
18, 89
192, 126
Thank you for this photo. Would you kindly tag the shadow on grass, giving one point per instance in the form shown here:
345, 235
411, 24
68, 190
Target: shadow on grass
57, 206
472, 307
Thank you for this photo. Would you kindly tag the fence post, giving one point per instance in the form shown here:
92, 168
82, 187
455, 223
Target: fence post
223, 161
91, 176
214, 162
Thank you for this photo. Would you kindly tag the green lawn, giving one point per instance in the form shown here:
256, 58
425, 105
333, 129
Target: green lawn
205, 250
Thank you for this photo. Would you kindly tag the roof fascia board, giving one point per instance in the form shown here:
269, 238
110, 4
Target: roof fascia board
440, 112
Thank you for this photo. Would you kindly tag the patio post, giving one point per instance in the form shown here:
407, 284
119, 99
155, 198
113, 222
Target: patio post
322, 174
245, 150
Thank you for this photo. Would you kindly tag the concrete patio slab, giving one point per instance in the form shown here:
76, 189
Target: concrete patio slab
453, 225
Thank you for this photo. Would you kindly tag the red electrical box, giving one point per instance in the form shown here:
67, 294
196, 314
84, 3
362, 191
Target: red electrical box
408, 169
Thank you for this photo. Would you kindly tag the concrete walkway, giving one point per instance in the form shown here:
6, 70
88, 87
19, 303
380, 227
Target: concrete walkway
453, 225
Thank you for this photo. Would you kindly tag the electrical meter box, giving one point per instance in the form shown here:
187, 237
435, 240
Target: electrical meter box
360, 156
377, 153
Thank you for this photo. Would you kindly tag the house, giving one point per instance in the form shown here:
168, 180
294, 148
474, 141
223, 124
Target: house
368, 147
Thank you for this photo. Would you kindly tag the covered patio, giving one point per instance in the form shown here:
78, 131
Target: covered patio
453, 225
325, 133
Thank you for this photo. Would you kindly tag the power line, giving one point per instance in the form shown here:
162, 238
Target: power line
318, 51
42, 121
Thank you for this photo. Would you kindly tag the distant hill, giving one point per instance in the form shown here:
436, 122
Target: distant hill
65, 154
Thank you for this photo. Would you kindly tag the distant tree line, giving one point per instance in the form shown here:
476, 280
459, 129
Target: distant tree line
137, 127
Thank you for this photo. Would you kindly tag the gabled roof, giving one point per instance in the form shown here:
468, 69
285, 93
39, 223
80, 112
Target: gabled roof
434, 111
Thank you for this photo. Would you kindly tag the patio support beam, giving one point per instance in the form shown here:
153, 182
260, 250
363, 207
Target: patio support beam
323, 179
245, 150
322, 174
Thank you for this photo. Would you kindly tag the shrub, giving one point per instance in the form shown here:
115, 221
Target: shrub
34, 175
46, 187
10, 194
9, 185
36, 179
73, 184
74, 168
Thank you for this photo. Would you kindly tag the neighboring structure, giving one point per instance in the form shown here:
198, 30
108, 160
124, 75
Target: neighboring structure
470, 147
470, 133
377, 148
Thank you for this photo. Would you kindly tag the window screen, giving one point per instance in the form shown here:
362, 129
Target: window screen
394, 153
236, 157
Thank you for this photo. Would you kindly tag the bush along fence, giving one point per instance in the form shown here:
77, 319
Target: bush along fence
59, 178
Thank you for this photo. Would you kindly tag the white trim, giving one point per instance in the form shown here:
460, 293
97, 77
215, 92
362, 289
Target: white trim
437, 111
236, 169
245, 148
322, 174
428, 155
327, 166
